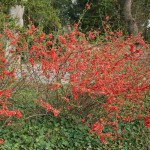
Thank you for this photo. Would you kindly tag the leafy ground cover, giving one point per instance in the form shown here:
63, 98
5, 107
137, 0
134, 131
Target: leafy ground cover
49, 133
43, 131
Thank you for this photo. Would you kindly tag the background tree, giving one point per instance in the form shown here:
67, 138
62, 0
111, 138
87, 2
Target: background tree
137, 14
51, 15
41, 12
128, 18
93, 18
141, 12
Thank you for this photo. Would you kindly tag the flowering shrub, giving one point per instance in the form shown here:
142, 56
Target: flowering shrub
7, 77
101, 80
6, 81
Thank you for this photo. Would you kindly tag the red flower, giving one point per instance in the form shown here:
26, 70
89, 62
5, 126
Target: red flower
62, 39
49, 43
87, 5
82, 120
42, 35
1, 141
102, 139
50, 36
147, 122
55, 112
65, 99
31, 60
57, 85
1, 92
97, 127
68, 107
32, 27
18, 114
132, 48
107, 18
8, 93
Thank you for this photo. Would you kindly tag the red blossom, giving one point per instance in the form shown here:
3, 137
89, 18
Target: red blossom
55, 112
57, 85
1, 141
82, 120
49, 43
87, 5
107, 18
31, 60
18, 114
32, 27
132, 48
62, 40
8, 93
42, 35
49, 107
147, 122
50, 36
97, 127
1, 92
65, 99
68, 107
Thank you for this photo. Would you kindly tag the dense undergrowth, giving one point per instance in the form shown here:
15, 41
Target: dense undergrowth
49, 133
40, 130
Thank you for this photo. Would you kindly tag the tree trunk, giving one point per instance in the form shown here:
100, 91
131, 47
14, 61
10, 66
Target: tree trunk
128, 18
15, 12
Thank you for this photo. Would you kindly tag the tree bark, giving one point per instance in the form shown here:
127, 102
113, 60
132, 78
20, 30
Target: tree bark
15, 12
128, 18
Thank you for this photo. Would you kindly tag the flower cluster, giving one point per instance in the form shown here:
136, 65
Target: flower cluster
48, 107
147, 122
